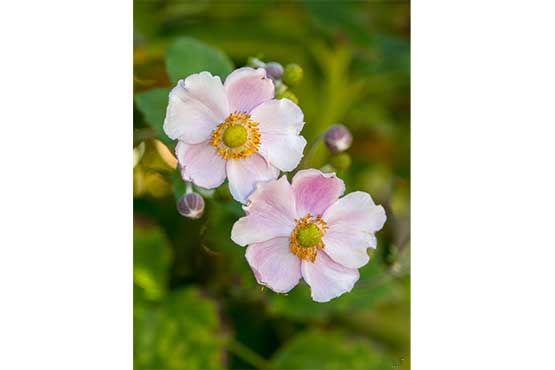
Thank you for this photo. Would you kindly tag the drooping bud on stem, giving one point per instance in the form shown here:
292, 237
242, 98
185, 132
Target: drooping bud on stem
338, 138
191, 205
274, 70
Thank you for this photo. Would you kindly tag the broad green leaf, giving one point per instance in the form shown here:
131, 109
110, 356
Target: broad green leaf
153, 104
298, 304
187, 56
151, 260
317, 349
182, 333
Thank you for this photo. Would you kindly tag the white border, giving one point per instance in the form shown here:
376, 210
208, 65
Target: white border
483, 185
482, 165
66, 188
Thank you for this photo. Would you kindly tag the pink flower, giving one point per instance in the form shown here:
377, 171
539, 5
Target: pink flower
304, 229
235, 130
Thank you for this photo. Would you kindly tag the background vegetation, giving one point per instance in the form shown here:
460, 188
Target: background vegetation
196, 302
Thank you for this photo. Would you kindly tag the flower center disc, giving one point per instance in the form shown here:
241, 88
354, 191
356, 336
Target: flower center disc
235, 136
309, 236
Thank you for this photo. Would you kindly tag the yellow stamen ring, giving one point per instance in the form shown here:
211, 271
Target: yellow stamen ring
306, 238
237, 137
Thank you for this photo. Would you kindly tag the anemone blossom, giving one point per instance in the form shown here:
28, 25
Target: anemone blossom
305, 230
235, 130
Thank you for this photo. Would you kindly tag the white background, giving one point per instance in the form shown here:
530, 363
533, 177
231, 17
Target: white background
483, 185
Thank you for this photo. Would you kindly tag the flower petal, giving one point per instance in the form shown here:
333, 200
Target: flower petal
200, 164
328, 279
280, 123
243, 174
283, 151
316, 191
246, 88
352, 222
356, 211
279, 116
270, 214
196, 106
274, 265
347, 249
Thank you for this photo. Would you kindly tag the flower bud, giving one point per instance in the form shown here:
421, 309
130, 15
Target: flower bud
338, 138
292, 75
341, 161
274, 70
191, 205
289, 95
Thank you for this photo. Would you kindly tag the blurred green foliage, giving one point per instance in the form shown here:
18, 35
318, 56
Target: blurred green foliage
317, 349
187, 55
196, 302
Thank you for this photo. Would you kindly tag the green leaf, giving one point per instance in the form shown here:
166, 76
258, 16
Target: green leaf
182, 333
187, 56
153, 104
151, 259
319, 349
298, 305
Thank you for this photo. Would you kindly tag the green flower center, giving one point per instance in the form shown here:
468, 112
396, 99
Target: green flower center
309, 236
235, 136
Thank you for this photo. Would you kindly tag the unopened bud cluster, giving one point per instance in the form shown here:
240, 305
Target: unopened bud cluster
284, 78
191, 205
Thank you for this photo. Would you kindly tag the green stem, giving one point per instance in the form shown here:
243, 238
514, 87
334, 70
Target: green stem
305, 162
246, 354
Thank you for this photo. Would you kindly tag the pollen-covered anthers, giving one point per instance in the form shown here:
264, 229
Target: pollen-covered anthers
306, 238
237, 137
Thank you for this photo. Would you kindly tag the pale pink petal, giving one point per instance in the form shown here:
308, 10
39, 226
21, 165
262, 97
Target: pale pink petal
352, 222
280, 123
279, 116
349, 249
328, 279
246, 88
270, 214
200, 164
283, 151
274, 265
244, 174
196, 106
316, 191
356, 211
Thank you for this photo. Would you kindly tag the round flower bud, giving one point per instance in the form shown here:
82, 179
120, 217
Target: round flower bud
191, 205
338, 138
341, 161
274, 70
289, 95
292, 75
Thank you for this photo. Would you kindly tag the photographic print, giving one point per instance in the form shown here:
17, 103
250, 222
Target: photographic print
271, 184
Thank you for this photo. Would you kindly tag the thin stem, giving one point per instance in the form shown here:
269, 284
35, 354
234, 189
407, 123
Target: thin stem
306, 159
188, 187
246, 354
